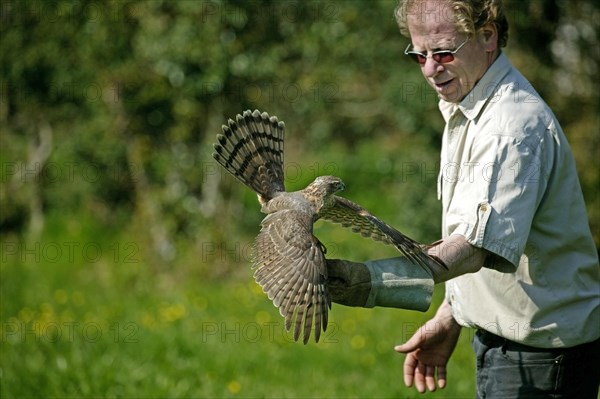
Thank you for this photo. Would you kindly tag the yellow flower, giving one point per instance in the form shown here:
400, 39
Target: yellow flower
234, 386
358, 341
172, 313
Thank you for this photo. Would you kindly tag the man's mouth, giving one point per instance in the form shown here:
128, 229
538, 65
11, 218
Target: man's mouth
443, 85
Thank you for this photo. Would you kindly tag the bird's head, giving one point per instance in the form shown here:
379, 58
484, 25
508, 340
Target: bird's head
329, 184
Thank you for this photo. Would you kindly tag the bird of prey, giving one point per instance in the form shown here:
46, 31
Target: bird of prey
289, 261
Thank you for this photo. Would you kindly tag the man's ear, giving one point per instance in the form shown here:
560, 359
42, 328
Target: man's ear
488, 36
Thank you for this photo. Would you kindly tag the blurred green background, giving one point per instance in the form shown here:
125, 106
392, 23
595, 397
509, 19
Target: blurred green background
125, 249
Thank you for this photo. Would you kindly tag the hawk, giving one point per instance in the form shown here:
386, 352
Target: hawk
289, 261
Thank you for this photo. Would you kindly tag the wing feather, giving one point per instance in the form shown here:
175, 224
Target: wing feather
291, 269
361, 221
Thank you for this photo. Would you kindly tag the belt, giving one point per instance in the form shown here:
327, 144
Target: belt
493, 340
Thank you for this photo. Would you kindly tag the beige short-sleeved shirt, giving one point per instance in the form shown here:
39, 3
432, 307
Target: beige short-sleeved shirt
508, 184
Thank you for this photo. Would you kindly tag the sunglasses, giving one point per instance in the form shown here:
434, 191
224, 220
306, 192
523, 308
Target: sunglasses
442, 56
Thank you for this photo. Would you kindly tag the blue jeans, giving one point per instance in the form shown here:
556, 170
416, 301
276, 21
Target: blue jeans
506, 369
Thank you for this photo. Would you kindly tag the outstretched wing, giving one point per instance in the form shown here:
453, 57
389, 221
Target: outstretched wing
361, 221
291, 269
251, 149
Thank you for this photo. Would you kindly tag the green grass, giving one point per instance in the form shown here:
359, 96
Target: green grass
78, 323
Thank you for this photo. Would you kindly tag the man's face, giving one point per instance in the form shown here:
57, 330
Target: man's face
431, 27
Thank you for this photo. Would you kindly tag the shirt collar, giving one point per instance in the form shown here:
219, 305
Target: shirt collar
474, 102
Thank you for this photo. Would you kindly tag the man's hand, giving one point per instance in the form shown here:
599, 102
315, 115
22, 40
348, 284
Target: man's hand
429, 350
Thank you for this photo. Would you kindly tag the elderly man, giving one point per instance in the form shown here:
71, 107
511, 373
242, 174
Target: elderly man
522, 266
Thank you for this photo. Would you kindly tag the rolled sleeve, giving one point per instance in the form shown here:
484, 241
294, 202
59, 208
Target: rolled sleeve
496, 197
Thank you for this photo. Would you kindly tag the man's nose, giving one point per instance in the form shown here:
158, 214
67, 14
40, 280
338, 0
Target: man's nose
431, 67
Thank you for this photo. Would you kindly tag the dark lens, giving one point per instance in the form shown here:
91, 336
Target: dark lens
418, 58
443, 57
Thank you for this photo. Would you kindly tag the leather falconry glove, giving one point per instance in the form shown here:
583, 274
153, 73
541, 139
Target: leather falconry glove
395, 283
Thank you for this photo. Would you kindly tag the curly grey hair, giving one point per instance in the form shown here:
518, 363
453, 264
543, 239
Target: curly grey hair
469, 16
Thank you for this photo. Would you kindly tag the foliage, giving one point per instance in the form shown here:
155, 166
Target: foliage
114, 213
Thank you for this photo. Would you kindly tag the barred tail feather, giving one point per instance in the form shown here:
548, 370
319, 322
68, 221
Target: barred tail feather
251, 149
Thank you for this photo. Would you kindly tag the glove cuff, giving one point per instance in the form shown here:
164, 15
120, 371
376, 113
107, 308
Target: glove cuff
398, 283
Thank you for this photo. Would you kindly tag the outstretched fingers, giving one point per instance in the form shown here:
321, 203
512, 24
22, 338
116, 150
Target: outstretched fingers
430, 377
410, 367
441, 377
421, 375
428, 351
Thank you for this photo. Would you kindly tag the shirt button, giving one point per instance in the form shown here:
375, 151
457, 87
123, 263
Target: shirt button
483, 208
